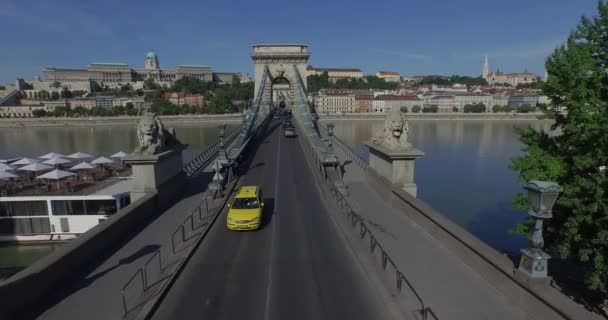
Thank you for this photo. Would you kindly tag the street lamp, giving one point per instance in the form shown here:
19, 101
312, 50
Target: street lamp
330, 133
542, 196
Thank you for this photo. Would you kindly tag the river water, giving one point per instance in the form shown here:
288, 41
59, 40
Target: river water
464, 173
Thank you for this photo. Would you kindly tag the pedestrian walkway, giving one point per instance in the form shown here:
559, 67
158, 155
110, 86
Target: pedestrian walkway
448, 286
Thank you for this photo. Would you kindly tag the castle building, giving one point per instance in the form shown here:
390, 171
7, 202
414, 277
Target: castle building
115, 73
512, 79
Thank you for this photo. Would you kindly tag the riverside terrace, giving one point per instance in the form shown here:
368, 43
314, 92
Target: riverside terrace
56, 174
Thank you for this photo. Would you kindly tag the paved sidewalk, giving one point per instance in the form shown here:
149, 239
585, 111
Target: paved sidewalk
97, 292
447, 285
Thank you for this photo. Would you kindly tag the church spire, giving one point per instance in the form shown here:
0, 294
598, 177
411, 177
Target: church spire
486, 68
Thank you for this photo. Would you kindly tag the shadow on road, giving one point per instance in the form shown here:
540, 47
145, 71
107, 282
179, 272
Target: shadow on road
268, 212
83, 279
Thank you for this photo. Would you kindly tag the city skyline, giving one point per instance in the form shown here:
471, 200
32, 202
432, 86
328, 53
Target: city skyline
417, 38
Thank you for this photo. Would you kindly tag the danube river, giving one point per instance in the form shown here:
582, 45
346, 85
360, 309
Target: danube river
464, 173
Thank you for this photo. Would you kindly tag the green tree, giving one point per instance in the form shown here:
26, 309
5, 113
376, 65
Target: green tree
416, 109
149, 84
80, 112
525, 108
475, 108
130, 109
403, 109
44, 95
95, 87
573, 158
66, 93
39, 113
430, 109
54, 95
56, 84
454, 109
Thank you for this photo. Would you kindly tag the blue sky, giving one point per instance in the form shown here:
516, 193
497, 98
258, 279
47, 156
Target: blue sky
409, 36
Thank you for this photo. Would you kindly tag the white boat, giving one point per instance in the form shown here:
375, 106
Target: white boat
59, 216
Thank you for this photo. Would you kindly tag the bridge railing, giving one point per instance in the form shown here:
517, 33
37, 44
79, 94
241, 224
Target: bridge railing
355, 156
149, 280
204, 158
358, 223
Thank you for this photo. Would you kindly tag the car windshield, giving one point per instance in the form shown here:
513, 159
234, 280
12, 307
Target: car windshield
245, 203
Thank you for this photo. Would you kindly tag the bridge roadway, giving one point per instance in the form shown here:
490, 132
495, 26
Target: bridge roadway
297, 266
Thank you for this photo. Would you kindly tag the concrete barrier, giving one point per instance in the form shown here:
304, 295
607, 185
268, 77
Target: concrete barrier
539, 301
27, 287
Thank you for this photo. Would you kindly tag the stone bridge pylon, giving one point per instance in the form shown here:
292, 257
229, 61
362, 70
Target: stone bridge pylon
280, 59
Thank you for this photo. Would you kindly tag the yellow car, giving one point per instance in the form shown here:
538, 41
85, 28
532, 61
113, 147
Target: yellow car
245, 211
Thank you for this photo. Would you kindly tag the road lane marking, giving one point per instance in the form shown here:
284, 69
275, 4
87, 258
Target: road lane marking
273, 223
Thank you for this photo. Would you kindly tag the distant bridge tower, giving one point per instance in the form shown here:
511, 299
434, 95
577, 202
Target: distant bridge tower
279, 58
486, 68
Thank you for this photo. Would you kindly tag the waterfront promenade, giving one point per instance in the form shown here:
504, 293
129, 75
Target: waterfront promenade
130, 120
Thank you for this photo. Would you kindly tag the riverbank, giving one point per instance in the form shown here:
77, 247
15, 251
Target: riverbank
436, 116
132, 120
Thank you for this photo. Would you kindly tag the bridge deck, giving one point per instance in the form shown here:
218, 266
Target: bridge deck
296, 267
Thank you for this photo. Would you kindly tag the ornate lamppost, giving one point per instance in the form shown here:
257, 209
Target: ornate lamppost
330, 133
542, 196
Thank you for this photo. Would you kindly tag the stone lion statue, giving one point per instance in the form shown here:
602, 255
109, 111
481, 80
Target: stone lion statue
152, 135
395, 131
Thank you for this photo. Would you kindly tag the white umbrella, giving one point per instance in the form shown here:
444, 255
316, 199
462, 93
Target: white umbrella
102, 160
83, 166
9, 160
7, 175
5, 167
119, 155
80, 155
56, 175
52, 155
25, 161
55, 161
36, 167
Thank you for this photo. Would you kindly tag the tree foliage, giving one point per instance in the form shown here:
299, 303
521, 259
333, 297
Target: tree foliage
525, 108
430, 109
474, 108
573, 156
497, 108
318, 82
454, 79
416, 109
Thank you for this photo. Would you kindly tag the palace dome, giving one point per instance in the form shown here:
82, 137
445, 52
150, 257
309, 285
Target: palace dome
151, 55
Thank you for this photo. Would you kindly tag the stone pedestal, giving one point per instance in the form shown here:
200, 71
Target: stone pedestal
150, 172
397, 166
533, 265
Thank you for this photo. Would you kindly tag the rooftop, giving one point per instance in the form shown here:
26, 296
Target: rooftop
192, 66
389, 73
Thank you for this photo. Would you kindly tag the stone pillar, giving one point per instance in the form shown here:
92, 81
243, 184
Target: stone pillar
152, 173
397, 166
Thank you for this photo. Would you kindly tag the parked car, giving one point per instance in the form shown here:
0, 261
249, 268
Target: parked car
287, 124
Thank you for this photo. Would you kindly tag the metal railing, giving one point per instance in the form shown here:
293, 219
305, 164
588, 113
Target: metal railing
358, 223
143, 285
356, 157
204, 158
